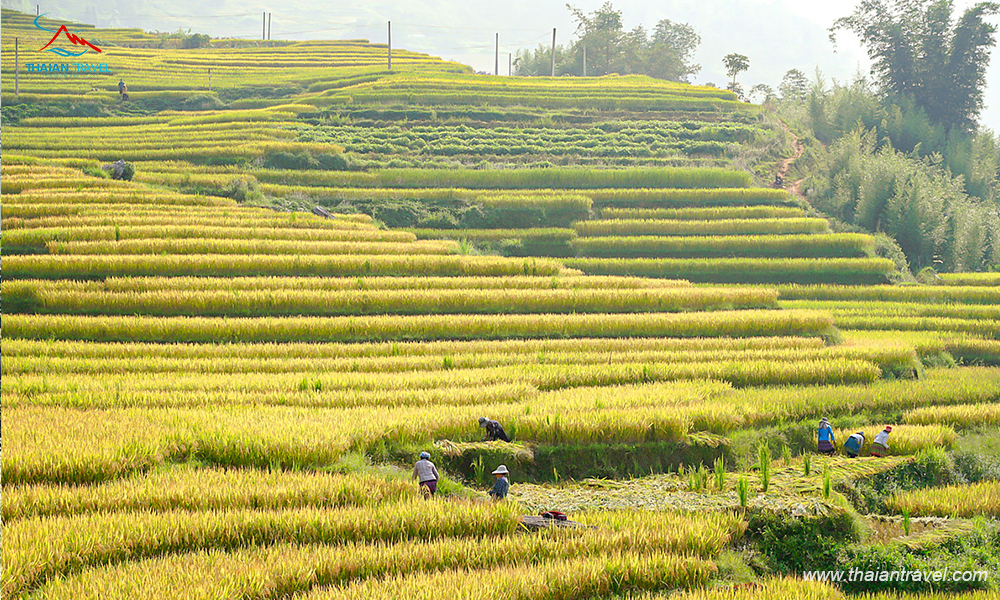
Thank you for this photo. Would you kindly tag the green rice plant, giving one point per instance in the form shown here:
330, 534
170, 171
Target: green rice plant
742, 491
827, 481
907, 524
806, 464
720, 473
764, 467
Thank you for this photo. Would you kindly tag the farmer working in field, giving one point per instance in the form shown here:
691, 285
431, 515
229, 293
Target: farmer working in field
494, 431
122, 89
502, 484
426, 474
854, 444
826, 445
880, 445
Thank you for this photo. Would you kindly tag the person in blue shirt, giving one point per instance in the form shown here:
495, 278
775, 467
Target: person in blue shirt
826, 443
502, 484
853, 445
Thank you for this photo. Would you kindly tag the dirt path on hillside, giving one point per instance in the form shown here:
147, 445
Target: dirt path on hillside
786, 164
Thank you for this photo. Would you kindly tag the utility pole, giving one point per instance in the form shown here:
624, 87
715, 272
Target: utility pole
390, 45
263, 26
17, 72
36, 10
584, 61
269, 26
496, 56
510, 62
210, 79
553, 51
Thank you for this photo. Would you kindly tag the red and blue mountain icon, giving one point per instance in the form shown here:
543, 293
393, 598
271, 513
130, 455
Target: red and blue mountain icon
72, 38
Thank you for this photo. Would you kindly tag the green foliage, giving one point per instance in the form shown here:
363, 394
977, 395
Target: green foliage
720, 473
792, 545
915, 201
978, 550
665, 53
920, 52
764, 467
742, 491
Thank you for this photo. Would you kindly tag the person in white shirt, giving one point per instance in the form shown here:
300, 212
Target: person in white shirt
880, 445
426, 474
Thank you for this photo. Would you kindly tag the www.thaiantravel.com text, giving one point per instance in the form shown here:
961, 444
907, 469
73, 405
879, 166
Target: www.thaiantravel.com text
861, 575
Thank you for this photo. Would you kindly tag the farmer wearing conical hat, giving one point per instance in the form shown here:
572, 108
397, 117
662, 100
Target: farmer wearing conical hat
426, 474
502, 485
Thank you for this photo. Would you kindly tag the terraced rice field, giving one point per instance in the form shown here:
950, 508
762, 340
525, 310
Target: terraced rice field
210, 391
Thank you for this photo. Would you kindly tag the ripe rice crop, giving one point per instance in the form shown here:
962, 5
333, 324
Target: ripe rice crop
604, 576
789, 589
978, 279
297, 568
248, 246
954, 501
901, 361
67, 349
514, 282
639, 227
747, 323
908, 293
502, 393
553, 178
960, 415
39, 549
846, 245
204, 489
700, 198
101, 266
385, 302
905, 439
211, 228
852, 271
704, 214
548, 235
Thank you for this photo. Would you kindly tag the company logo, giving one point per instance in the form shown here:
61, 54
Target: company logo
72, 38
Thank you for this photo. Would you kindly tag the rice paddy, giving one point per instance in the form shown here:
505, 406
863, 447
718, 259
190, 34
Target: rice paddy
211, 391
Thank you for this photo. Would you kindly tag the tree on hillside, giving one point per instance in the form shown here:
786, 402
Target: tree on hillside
664, 53
794, 85
735, 64
919, 51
